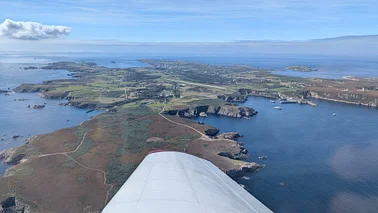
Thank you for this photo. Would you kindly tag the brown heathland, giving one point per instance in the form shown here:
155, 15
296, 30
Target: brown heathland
79, 169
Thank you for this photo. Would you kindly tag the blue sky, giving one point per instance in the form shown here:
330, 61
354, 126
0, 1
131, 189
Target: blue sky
198, 20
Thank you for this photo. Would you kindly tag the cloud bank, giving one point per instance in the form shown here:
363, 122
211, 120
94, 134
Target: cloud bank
24, 30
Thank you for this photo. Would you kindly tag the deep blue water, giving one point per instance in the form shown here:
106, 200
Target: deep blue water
316, 162
17, 119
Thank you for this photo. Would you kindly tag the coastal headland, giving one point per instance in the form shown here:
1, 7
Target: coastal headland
79, 169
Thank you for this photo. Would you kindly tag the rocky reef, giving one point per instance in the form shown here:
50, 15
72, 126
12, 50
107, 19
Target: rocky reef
226, 110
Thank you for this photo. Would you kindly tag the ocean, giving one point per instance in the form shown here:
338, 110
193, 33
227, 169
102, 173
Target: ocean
334, 67
316, 162
15, 116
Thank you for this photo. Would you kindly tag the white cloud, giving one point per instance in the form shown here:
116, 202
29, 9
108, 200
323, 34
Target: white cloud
24, 30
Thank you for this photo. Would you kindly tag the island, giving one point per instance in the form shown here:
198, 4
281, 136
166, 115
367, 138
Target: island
146, 109
301, 68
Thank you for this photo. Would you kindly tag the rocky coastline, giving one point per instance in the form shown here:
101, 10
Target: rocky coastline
239, 153
244, 169
226, 110
344, 98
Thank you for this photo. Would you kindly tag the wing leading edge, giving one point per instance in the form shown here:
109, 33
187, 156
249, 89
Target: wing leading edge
178, 182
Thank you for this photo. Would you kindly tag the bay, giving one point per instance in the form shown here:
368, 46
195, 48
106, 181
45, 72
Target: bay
15, 116
316, 162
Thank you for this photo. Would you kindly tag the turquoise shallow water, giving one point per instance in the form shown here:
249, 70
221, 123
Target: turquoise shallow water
316, 162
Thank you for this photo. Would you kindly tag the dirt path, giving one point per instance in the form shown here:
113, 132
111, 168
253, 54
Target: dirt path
184, 125
77, 148
86, 167
199, 84
203, 136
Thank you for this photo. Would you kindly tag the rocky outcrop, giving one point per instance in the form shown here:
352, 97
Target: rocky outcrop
226, 110
241, 154
265, 94
30, 68
238, 156
244, 169
235, 97
230, 135
10, 157
39, 106
212, 131
236, 111
14, 205
203, 114
16, 159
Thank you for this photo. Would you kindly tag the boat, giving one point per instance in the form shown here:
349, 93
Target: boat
289, 102
277, 107
334, 114
272, 101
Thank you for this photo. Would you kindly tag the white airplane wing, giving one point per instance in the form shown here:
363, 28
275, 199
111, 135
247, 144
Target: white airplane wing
170, 182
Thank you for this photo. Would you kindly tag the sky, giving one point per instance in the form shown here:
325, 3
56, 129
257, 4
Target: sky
178, 21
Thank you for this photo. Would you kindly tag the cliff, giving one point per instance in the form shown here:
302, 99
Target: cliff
244, 169
235, 97
226, 110
344, 97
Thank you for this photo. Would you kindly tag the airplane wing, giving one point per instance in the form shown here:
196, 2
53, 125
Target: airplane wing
171, 182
